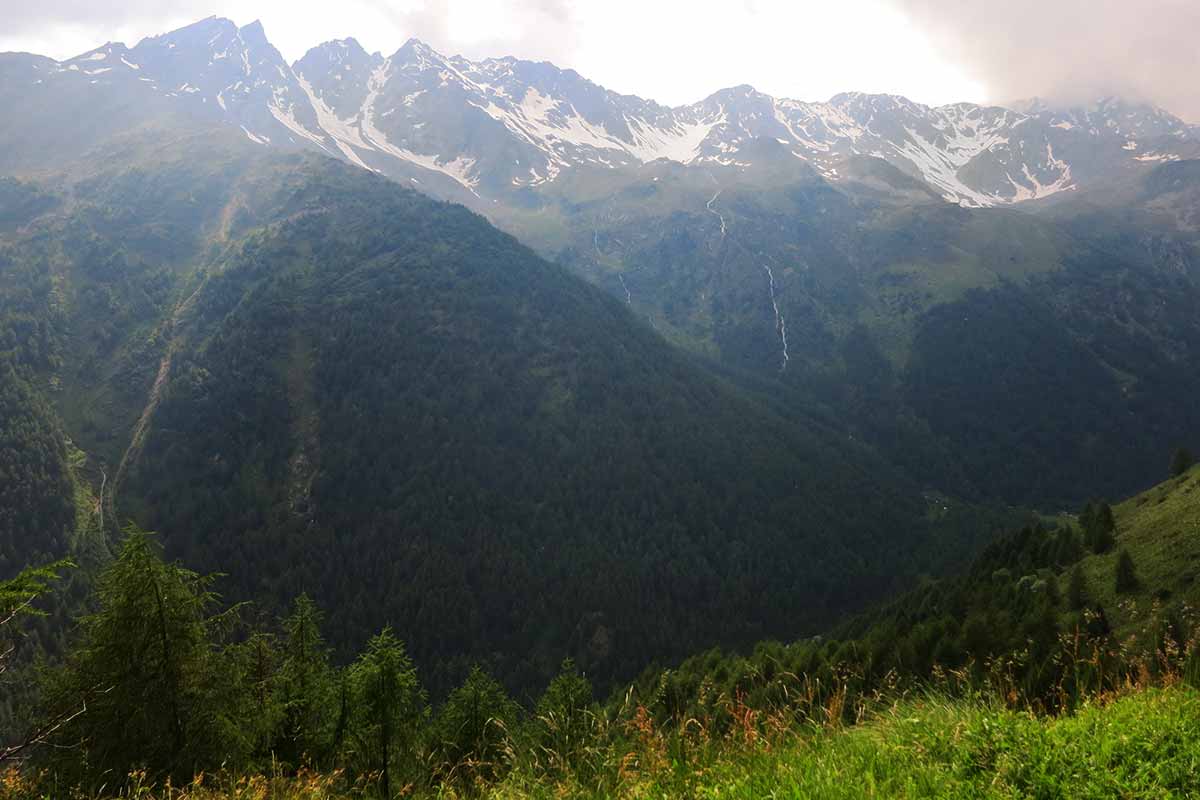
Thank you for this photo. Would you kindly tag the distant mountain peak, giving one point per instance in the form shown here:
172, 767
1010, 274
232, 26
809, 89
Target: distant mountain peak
414, 46
481, 130
254, 33
206, 26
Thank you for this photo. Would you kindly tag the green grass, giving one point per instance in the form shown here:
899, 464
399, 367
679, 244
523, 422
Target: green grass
1161, 530
1144, 744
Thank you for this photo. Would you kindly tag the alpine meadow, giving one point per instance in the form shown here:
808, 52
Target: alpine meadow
437, 426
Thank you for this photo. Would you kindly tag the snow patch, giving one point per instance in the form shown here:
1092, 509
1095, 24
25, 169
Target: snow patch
255, 139
1156, 157
344, 134
287, 118
679, 142
460, 169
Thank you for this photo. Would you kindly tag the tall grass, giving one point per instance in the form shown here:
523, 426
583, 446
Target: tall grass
1139, 740
1119, 719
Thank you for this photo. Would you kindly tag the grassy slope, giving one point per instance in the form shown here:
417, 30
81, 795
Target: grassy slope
1161, 530
1144, 744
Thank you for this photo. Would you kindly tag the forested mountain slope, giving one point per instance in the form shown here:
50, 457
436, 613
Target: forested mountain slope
809, 244
291, 368
313, 380
938, 332
1047, 614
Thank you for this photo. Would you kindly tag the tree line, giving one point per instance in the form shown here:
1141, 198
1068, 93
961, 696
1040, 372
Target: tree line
162, 680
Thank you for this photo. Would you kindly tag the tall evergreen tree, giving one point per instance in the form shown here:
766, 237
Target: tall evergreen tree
474, 728
258, 660
155, 687
1125, 574
305, 688
1181, 462
1076, 590
17, 596
1099, 526
564, 720
388, 708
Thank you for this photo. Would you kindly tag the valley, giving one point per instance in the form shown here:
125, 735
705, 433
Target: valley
421, 425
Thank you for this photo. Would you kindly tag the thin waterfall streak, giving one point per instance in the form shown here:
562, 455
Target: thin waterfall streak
780, 323
711, 210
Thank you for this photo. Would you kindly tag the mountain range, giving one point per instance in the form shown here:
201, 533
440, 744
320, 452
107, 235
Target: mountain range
499, 129
726, 371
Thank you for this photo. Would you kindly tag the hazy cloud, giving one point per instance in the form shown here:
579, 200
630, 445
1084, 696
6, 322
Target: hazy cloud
674, 51
33, 17
1072, 50
533, 29
63, 28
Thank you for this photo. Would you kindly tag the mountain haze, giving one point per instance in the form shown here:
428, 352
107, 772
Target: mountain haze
496, 129
811, 342
311, 379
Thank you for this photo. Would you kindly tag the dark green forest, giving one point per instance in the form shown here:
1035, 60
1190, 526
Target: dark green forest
958, 342
701, 462
410, 384
1047, 615
196, 685
382, 401
314, 382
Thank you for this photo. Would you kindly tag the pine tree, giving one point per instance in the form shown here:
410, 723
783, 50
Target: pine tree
16, 600
1125, 576
1053, 593
564, 720
388, 709
305, 688
1099, 527
1181, 462
1076, 591
473, 729
258, 660
156, 689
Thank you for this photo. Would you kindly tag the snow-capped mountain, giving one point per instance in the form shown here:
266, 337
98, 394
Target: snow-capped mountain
231, 72
489, 129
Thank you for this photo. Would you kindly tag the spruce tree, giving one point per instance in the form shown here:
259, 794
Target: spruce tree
1076, 591
258, 661
305, 688
1125, 576
1181, 462
17, 596
388, 710
158, 692
1053, 593
564, 719
1100, 527
473, 729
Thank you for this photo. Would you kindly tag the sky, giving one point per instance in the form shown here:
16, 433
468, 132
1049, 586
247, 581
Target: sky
680, 51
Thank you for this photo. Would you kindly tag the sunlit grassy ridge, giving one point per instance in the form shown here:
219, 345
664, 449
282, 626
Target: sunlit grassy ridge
1161, 530
1142, 745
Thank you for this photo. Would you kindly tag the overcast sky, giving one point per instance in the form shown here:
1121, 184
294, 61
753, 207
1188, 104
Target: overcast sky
679, 51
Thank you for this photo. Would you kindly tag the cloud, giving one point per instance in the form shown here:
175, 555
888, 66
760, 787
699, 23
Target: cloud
536, 28
21, 18
1072, 50
674, 51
